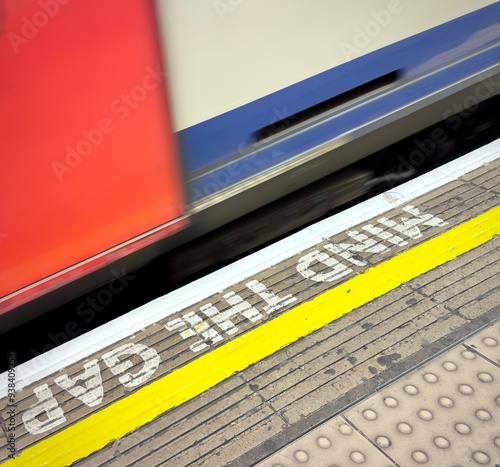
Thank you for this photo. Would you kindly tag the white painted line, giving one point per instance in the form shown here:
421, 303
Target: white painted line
193, 293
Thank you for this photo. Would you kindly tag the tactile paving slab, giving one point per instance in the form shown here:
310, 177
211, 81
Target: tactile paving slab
487, 343
334, 444
444, 414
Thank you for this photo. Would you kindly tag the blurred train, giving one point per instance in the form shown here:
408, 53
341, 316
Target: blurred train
129, 127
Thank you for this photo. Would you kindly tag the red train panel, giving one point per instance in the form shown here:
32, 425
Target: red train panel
88, 156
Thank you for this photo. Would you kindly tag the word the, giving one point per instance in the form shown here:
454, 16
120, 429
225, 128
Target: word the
197, 326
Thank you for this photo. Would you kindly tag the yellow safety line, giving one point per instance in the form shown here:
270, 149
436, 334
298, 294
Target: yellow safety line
94, 432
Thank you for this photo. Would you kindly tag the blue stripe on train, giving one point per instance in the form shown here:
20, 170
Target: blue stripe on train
258, 161
214, 141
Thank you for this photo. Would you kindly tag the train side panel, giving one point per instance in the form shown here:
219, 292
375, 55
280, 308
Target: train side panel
89, 169
244, 70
